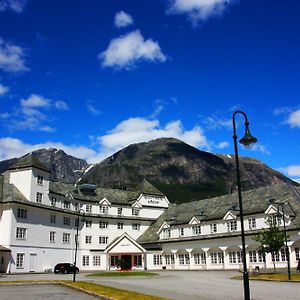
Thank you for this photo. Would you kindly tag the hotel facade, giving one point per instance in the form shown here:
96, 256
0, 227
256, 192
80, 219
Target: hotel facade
39, 220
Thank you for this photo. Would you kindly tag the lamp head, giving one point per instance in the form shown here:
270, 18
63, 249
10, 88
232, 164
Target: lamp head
248, 139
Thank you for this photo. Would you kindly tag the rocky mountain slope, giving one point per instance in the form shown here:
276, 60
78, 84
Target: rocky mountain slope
181, 171
63, 167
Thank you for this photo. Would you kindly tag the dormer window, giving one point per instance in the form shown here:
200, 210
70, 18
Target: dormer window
135, 211
103, 209
88, 208
252, 223
275, 220
232, 225
181, 231
213, 228
120, 211
67, 204
53, 201
40, 180
167, 233
196, 230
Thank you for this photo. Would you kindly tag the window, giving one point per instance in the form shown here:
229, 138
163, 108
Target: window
232, 225
184, 259
297, 253
88, 224
181, 231
252, 223
88, 208
20, 260
275, 220
283, 254
22, 213
21, 233
114, 260
120, 211
166, 233
76, 206
52, 236
53, 219
88, 239
169, 259
66, 238
85, 260
103, 209
67, 221
137, 260
261, 256
217, 257
253, 256
235, 257
135, 211
96, 260
39, 197
196, 230
53, 201
156, 259
136, 226
40, 180
213, 228
103, 224
67, 204
103, 239
200, 258
120, 225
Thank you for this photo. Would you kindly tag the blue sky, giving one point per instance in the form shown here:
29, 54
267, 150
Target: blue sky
91, 77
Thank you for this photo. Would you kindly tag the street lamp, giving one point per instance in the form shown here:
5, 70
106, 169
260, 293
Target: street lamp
281, 205
76, 239
247, 140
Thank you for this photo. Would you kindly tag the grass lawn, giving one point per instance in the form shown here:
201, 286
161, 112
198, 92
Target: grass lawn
275, 277
110, 292
123, 274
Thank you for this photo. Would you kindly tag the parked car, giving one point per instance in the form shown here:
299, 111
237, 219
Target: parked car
65, 268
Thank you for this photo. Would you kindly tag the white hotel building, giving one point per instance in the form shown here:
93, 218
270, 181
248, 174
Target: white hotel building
38, 222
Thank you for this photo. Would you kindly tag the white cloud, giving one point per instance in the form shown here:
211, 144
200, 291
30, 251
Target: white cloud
293, 170
135, 130
3, 89
11, 57
92, 110
12, 147
223, 145
31, 114
213, 122
14, 5
126, 51
35, 100
61, 105
199, 10
260, 148
294, 119
122, 19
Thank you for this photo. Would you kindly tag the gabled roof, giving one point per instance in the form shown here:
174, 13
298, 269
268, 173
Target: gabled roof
4, 249
255, 201
145, 187
29, 161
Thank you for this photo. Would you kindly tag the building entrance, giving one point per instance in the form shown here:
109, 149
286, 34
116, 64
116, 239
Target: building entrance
125, 263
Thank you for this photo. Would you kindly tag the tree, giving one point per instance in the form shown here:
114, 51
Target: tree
271, 240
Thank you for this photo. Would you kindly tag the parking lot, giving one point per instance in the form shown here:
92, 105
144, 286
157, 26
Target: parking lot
184, 285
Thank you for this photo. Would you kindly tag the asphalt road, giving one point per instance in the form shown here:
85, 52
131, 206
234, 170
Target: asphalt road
187, 285
41, 292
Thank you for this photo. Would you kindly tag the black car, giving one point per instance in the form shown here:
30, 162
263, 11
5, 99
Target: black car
65, 268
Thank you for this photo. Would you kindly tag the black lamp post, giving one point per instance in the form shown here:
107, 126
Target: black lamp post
76, 240
281, 205
247, 141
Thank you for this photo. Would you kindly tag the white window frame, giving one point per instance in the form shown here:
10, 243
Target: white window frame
66, 238
213, 228
103, 224
53, 201
85, 260
157, 260
89, 208
22, 213
103, 240
20, 260
136, 211
52, 236
120, 226
88, 223
39, 197
67, 221
40, 180
21, 233
96, 260
88, 239
136, 226
196, 229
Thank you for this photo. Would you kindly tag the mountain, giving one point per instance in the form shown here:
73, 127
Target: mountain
181, 171
63, 167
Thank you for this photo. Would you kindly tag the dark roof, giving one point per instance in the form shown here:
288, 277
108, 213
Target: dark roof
145, 187
29, 161
11, 193
114, 196
254, 201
